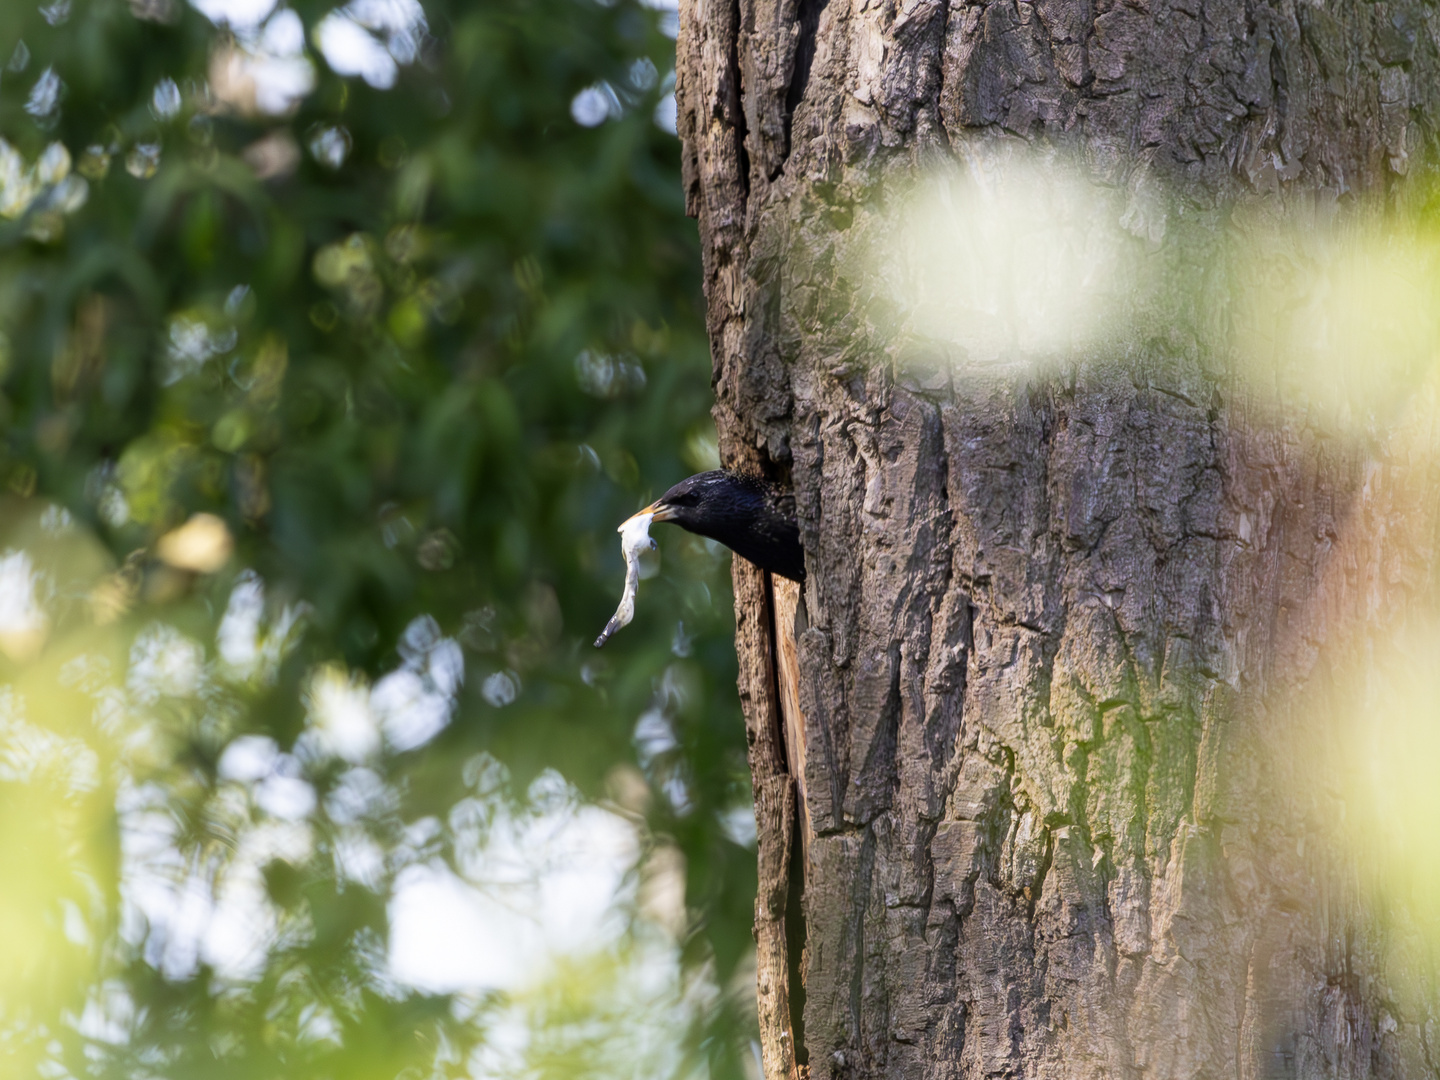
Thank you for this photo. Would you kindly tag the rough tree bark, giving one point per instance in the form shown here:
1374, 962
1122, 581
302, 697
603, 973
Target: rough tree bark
1040, 811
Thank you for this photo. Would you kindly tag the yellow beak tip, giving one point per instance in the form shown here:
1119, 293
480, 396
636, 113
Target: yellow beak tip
659, 516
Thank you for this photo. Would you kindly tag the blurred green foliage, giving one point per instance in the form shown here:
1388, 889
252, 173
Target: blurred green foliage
421, 348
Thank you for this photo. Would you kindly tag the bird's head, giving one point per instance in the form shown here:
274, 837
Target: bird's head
699, 499
742, 512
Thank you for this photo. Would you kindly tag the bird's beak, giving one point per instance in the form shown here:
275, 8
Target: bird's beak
660, 510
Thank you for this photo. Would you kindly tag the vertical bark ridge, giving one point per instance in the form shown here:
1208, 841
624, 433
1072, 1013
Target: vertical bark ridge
775, 816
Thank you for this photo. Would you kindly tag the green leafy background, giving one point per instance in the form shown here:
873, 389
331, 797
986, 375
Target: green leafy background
428, 379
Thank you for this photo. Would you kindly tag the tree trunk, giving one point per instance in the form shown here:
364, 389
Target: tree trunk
1044, 806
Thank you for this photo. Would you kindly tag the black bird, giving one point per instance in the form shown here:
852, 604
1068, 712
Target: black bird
746, 514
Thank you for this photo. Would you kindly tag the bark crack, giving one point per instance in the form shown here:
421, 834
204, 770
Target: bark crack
807, 30
736, 109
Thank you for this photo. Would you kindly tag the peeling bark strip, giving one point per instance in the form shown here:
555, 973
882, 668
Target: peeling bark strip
1055, 627
789, 623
